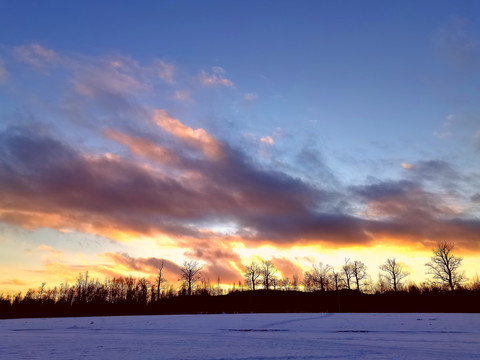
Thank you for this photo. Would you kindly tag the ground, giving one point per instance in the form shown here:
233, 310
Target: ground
245, 336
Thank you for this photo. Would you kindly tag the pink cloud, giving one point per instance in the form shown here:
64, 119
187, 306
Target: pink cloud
145, 148
165, 71
216, 78
183, 95
92, 81
199, 138
267, 140
36, 55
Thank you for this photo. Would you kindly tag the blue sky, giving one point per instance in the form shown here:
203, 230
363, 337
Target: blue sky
357, 113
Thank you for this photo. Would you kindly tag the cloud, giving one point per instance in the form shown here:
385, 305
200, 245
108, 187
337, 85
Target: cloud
144, 147
14, 282
183, 95
215, 78
476, 140
186, 182
148, 265
476, 198
250, 97
458, 42
3, 73
267, 140
216, 264
220, 261
406, 211
313, 164
165, 71
218, 70
446, 130
51, 184
51, 250
93, 81
115, 86
36, 56
403, 199
287, 267
198, 138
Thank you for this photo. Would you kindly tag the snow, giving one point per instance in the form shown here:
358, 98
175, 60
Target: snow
245, 336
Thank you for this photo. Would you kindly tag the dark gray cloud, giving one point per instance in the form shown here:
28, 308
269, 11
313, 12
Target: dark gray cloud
46, 182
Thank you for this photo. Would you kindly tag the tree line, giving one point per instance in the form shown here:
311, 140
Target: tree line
138, 295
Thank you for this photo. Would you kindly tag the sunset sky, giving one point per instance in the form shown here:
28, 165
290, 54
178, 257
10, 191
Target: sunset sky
226, 131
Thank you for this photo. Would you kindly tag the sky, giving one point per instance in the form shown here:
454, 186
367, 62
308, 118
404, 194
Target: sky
228, 132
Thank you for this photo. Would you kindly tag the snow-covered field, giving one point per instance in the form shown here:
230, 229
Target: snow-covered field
245, 336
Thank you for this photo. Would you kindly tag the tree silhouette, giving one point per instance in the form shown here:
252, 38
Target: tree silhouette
252, 275
319, 278
190, 274
336, 279
394, 273
268, 271
347, 272
359, 272
445, 267
160, 278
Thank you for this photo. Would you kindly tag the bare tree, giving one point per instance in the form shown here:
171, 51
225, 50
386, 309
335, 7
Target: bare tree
359, 272
318, 278
444, 266
285, 284
336, 279
295, 282
268, 271
347, 272
394, 273
252, 275
190, 273
160, 278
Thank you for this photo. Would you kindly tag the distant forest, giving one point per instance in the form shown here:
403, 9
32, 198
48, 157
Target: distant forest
322, 289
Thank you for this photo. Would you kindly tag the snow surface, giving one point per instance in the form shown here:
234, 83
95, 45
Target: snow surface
245, 336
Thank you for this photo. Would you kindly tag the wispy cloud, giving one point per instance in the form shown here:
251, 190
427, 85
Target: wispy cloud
183, 95
196, 137
148, 265
250, 97
476, 140
37, 56
165, 71
267, 140
3, 73
458, 42
446, 129
14, 282
215, 78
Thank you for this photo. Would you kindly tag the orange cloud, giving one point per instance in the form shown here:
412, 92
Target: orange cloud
267, 140
14, 282
143, 147
198, 138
